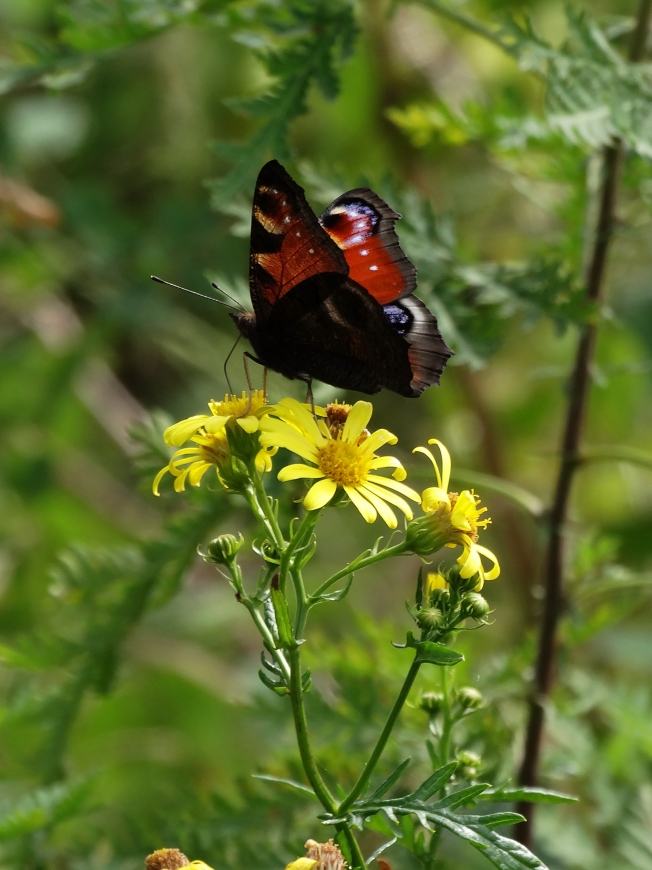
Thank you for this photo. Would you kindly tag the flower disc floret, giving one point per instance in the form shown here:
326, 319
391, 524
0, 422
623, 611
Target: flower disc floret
455, 519
339, 453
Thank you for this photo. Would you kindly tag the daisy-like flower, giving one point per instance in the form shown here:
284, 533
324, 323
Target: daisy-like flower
342, 456
453, 519
216, 441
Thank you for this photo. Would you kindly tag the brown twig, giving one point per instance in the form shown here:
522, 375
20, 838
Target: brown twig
579, 389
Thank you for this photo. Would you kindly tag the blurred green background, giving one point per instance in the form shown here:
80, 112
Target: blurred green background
131, 713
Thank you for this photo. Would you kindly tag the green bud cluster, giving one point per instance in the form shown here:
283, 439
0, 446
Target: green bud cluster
468, 764
468, 698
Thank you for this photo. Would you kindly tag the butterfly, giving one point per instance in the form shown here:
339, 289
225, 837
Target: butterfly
333, 296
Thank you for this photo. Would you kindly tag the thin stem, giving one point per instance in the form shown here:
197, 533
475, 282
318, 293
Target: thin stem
357, 565
268, 516
301, 727
447, 725
545, 672
467, 22
379, 748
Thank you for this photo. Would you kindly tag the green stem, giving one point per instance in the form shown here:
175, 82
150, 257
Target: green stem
379, 748
268, 516
357, 565
301, 727
468, 23
447, 726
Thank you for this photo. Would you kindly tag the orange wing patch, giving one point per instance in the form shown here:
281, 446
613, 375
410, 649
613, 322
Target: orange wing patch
362, 225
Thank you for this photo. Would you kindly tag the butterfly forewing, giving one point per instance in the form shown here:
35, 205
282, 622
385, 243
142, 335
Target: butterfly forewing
362, 226
287, 243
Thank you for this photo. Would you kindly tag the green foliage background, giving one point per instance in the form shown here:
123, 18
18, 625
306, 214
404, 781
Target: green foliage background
130, 135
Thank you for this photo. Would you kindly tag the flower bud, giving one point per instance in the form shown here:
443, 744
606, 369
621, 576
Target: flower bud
468, 763
429, 617
475, 605
424, 536
431, 703
468, 698
223, 550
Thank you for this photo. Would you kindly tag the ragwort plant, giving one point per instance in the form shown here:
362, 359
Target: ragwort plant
343, 463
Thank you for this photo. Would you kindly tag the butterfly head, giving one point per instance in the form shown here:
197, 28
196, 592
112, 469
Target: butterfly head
246, 323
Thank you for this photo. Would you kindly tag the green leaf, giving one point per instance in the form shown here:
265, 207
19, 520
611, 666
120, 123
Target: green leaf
285, 634
390, 781
531, 795
434, 782
290, 782
44, 808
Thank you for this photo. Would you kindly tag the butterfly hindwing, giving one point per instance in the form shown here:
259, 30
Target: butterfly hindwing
331, 329
287, 243
362, 226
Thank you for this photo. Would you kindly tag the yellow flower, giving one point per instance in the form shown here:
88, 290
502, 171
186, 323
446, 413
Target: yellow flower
457, 515
246, 411
210, 433
435, 581
343, 456
301, 864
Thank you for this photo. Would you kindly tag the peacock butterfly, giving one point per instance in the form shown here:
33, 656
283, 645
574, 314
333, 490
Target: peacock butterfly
333, 296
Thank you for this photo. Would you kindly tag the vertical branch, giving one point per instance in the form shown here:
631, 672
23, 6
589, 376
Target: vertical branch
579, 388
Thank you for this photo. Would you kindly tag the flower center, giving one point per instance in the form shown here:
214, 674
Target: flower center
342, 462
242, 406
336, 415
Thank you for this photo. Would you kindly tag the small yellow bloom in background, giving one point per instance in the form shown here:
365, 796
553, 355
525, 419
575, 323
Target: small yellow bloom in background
435, 581
301, 864
210, 435
342, 455
457, 516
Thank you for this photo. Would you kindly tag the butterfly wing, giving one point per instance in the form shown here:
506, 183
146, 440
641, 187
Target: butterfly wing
288, 244
331, 329
362, 226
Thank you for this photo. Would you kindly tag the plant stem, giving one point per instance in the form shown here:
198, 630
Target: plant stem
315, 779
447, 725
301, 727
579, 389
365, 776
467, 22
265, 512
357, 565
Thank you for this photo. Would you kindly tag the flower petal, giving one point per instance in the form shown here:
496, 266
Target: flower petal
470, 561
357, 420
249, 424
433, 497
465, 506
301, 417
390, 462
297, 470
197, 471
319, 494
384, 510
277, 433
395, 485
445, 463
180, 432
391, 497
376, 440
495, 571
367, 510
216, 424
158, 479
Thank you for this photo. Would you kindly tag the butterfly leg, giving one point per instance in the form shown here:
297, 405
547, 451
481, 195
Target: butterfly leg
309, 396
245, 356
226, 362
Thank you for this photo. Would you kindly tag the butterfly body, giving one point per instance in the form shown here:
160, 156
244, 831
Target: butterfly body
332, 297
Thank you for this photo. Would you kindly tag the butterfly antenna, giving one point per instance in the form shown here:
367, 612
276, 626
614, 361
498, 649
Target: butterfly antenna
194, 292
232, 298
226, 362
